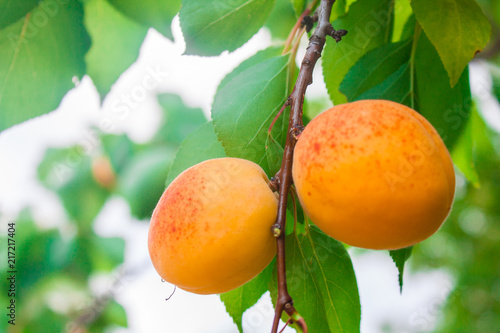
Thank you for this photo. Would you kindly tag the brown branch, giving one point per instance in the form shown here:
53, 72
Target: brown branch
295, 126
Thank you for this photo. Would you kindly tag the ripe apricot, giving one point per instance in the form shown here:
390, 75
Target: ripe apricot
374, 174
211, 230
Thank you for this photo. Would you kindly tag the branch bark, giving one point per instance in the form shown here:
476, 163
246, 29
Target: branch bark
295, 126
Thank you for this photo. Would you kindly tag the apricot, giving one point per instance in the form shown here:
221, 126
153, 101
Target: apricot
211, 229
374, 174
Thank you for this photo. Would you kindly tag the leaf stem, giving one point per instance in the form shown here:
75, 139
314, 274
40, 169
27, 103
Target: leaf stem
317, 41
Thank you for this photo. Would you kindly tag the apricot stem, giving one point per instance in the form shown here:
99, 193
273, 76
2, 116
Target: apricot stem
317, 41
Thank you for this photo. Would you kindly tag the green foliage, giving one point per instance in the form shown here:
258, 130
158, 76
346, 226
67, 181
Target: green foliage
281, 20
245, 106
178, 120
458, 35
150, 13
400, 257
321, 282
11, 11
237, 301
142, 181
445, 107
33, 85
68, 172
464, 151
374, 68
368, 26
116, 40
198, 146
211, 27
52, 264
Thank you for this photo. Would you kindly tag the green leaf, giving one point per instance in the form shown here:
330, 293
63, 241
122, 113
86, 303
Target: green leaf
400, 257
368, 26
322, 283
114, 313
106, 253
244, 108
458, 29
257, 58
281, 20
395, 88
339, 9
11, 11
210, 27
298, 6
119, 149
150, 13
116, 40
274, 154
238, 300
82, 197
402, 13
374, 67
445, 107
68, 172
198, 146
178, 120
142, 181
465, 150
33, 85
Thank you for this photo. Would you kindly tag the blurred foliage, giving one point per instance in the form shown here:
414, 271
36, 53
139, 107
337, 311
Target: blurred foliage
56, 266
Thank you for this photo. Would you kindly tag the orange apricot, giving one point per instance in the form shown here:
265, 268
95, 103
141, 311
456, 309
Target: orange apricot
374, 174
211, 230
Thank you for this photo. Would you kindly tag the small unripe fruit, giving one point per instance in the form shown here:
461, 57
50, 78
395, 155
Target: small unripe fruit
374, 174
211, 230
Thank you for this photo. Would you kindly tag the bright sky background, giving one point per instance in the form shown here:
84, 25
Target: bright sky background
195, 79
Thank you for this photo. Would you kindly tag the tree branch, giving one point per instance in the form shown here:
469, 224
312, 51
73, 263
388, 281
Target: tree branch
295, 126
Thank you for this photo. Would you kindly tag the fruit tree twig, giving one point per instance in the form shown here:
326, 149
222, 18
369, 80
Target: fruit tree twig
295, 126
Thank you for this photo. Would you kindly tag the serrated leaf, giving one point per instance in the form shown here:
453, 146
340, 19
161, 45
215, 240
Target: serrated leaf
245, 106
375, 67
464, 151
274, 154
400, 257
261, 56
322, 283
11, 11
200, 145
33, 85
150, 13
178, 120
238, 300
368, 26
116, 40
445, 107
210, 27
458, 29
